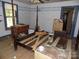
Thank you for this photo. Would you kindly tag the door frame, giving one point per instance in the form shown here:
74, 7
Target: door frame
76, 9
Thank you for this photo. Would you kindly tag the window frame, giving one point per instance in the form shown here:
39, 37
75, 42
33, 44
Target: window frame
4, 13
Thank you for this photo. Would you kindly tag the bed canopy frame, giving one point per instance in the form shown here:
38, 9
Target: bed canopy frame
33, 2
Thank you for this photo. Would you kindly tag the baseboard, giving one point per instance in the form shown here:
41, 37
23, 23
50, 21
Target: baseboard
5, 36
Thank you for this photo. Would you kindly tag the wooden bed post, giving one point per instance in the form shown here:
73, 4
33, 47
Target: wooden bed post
36, 28
13, 13
15, 44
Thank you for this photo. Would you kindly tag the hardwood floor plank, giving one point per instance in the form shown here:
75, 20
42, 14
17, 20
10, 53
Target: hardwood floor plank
7, 51
69, 48
62, 43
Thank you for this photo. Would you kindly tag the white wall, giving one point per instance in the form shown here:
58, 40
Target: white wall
77, 26
23, 12
32, 15
49, 11
46, 17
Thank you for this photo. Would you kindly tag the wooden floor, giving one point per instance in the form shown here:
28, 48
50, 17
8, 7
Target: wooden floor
7, 51
75, 53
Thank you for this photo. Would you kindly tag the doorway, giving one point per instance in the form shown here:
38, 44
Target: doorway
67, 16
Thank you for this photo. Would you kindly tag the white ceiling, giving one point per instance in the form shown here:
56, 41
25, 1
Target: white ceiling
46, 1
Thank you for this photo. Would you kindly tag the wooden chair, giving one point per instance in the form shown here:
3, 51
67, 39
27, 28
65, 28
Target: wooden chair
58, 25
58, 30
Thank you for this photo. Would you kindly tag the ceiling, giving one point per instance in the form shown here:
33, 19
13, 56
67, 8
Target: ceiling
45, 1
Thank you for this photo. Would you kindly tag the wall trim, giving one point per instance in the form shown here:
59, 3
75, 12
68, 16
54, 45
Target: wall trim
74, 21
5, 36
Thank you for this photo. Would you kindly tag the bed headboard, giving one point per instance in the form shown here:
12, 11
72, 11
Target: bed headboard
17, 29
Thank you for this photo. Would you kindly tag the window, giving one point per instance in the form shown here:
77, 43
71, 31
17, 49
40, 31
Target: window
7, 10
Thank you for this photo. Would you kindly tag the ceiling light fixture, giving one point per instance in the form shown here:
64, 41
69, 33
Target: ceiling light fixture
37, 1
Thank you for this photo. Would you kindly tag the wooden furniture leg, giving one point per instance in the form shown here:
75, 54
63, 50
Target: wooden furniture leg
77, 42
15, 45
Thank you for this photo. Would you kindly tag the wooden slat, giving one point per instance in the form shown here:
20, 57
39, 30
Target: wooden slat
38, 39
69, 48
56, 42
28, 39
52, 39
39, 42
48, 41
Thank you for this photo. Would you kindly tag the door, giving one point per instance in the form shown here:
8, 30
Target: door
66, 16
69, 21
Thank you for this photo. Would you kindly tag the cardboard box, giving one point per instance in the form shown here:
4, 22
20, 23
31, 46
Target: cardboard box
58, 25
